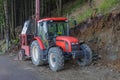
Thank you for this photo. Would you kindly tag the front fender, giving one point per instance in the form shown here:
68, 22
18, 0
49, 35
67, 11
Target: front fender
66, 46
40, 42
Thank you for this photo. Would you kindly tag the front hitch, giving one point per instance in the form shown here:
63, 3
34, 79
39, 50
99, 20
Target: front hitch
77, 54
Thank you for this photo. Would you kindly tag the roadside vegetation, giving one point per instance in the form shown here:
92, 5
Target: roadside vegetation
84, 11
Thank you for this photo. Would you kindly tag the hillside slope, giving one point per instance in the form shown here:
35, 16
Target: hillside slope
102, 34
98, 26
81, 10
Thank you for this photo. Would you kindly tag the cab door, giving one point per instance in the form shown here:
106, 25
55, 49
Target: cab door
42, 33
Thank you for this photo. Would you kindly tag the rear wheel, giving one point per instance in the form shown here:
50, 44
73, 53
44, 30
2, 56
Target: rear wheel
87, 55
56, 59
36, 53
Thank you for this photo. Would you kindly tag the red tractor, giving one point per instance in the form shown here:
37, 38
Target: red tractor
48, 41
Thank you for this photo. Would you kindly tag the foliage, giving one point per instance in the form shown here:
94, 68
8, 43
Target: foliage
1, 12
104, 8
15, 41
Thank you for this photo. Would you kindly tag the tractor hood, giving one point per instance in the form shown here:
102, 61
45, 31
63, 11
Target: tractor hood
65, 42
67, 39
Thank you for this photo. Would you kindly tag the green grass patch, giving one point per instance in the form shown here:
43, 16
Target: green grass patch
84, 15
107, 5
81, 17
104, 8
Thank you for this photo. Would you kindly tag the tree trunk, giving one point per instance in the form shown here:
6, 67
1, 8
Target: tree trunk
42, 8
12, 20
7, 24
59, 7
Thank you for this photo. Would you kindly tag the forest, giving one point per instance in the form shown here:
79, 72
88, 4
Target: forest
13, 13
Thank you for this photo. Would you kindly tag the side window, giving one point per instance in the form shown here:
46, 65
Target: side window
51, 29
40, 28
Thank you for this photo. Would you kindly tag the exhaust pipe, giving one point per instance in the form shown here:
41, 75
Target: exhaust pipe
37, 10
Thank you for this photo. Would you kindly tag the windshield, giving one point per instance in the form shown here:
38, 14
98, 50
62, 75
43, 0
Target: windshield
57, 29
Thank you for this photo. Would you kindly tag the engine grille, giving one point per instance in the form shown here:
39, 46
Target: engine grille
75, 47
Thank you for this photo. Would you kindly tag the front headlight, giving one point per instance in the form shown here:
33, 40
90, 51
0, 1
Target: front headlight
67, 47
73, 43
77, 43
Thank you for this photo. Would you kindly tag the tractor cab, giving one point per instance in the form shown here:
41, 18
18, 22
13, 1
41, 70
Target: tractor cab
48, 29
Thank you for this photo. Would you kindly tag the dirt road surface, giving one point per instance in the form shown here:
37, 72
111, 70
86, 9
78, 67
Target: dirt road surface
11, 70
25, 70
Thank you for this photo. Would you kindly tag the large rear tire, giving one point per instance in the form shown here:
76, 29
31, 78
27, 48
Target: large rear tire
56, 59
87, 55
36, 54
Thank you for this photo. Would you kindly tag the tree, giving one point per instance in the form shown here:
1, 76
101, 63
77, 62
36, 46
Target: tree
1, 20
13, 13
7, 24
59, 7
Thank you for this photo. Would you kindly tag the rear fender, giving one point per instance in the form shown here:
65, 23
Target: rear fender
40, 42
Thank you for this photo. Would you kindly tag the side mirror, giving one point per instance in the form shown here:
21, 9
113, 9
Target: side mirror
75, 23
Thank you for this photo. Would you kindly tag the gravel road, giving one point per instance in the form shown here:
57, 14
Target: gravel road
25, 70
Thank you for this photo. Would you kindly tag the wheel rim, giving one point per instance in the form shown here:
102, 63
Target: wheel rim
52, 60
35, 53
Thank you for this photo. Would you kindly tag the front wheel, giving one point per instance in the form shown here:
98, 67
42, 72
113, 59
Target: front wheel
87, 55
56, 59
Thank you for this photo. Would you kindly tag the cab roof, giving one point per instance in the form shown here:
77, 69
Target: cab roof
53, 18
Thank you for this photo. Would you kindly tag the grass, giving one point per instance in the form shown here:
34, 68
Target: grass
84, 15
104, 8
107, 5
